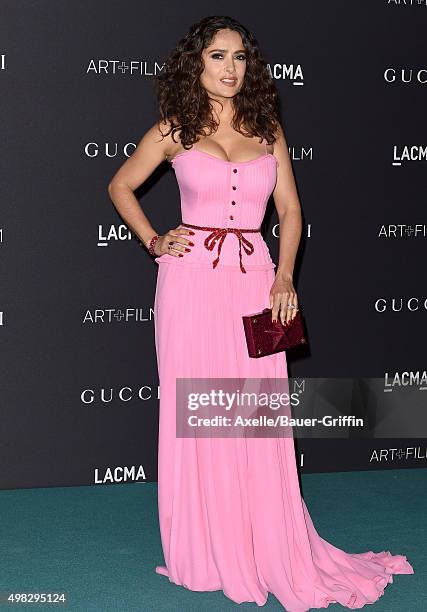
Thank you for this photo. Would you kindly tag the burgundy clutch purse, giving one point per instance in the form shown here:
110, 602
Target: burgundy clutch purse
264, 337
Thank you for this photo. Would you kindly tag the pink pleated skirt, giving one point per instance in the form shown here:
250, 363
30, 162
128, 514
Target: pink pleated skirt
230, 509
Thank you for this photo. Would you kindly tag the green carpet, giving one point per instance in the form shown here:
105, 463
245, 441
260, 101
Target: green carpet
100, 544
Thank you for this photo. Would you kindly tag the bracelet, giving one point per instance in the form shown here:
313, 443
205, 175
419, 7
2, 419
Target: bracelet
151, 244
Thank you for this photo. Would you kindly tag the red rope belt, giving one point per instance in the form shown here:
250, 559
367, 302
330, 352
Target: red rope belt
219, 234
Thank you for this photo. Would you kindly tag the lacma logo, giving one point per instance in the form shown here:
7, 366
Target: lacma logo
119, 474
409, 153
288, 73
114, 233
405, 379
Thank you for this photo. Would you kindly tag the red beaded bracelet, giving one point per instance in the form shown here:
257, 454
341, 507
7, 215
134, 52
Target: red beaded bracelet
151, 244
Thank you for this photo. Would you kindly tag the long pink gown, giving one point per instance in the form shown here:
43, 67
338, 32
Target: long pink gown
230, 509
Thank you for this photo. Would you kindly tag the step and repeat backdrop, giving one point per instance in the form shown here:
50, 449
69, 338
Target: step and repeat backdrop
80, 389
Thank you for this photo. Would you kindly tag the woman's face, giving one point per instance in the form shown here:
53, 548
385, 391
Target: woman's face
225, 64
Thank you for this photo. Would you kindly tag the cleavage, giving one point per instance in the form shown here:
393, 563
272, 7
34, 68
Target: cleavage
227, 159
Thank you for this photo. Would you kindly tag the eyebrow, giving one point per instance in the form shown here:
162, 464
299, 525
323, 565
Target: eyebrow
224, 50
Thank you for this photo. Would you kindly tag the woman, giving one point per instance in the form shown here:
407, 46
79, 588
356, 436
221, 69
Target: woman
231, 512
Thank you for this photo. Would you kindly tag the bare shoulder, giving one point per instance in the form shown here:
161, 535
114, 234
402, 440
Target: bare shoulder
169, 134
154, 148
160, 139
280, 141
280, 146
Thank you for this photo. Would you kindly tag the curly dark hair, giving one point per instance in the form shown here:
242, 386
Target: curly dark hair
184, 102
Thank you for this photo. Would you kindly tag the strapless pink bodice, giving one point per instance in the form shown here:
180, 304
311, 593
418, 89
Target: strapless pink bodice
222, 194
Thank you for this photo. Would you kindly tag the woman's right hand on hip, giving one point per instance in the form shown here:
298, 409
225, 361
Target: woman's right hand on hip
179, 244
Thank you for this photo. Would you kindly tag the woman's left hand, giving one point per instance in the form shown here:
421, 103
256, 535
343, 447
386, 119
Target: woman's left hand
283, 295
